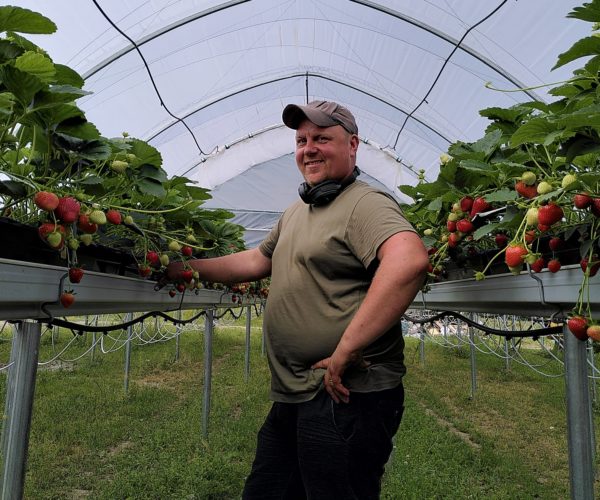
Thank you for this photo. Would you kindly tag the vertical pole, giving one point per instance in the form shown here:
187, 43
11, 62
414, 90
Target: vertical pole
128, 317
208, 334
19, 404
178, 330
592, 363
93, 353
473, 362
422, 344
247, 357
581, 470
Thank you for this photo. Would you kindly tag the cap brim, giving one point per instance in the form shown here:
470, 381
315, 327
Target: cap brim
293, 115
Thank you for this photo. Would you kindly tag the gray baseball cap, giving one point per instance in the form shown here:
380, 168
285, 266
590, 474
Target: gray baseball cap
321, 113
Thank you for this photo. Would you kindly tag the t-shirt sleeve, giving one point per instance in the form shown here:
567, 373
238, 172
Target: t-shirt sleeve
375, 218
267, 246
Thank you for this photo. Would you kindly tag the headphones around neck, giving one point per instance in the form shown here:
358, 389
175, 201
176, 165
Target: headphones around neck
326, 191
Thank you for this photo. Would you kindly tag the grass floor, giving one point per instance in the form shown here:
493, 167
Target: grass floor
89, 439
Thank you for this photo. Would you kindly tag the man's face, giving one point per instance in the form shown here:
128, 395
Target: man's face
324, 153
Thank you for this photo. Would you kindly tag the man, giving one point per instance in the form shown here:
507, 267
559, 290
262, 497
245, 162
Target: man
344, 266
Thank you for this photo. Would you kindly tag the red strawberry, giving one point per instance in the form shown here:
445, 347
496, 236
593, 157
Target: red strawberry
538, 265
68, 209
556, 243
595, 265
466, 203
479, 205
582, 200
501, 240
432, 251
515, 255
75, 274
526, 191
187, 275
144, 270
186, 251
45, 200
453, 240
578, 326
593, 332
465, 226
451, 226
67, 299
554, 266
429, 268
549, 214
180, 287
542, 228
114, 217
595, 207
530, 236
172, 293
153, 259
85, 226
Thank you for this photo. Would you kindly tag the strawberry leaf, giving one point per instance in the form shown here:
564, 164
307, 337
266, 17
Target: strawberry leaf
38, 65
151, 187
533, 131
25, 21
485, 230
587, 12
589, 46
501, 195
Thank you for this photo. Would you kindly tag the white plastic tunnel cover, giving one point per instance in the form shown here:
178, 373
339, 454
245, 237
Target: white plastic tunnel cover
205, 82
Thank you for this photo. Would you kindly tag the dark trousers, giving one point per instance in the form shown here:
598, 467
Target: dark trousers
320, 450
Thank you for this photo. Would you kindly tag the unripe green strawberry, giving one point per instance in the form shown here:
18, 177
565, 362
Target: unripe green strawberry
567, 180
544, 187
73, 243
98, 217
528, 178
164, 259
119, 166
532, 216
428, 232
55, 239
190, 238
128, 220
530, 258
86, 239
130, 157
453, 217
174, 246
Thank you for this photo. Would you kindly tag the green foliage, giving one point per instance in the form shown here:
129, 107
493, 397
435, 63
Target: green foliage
555, 146
47, 144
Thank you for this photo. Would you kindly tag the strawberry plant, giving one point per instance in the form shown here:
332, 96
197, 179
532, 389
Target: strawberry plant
58, 173
534, 178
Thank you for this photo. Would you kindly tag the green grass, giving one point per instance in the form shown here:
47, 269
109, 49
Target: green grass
91, 440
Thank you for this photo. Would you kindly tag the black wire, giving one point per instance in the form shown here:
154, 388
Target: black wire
486, 329
162, 103
442, 69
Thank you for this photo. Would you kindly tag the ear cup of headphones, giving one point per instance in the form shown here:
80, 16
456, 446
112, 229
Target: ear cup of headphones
326, 191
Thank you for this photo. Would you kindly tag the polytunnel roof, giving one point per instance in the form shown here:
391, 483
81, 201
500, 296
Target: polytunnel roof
205, 82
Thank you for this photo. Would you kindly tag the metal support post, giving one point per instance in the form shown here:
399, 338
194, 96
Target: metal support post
473, 362
208, 335
178, 330
18, 408
247, 357
128, 317
422, 344
581, 470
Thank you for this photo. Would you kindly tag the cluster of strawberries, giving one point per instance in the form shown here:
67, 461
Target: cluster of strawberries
71, 225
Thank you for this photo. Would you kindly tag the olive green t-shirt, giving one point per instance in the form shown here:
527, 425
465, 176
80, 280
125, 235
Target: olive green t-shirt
323, 259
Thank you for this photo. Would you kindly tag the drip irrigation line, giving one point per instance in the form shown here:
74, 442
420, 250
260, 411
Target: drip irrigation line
446, 61
137, 48
486, 329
